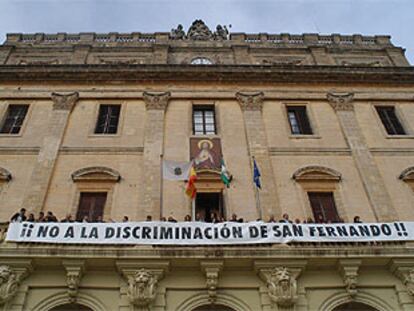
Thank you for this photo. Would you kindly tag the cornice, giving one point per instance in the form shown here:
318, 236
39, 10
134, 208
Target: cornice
223, 73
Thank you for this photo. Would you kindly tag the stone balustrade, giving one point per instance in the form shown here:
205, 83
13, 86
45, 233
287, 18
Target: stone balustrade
138, 37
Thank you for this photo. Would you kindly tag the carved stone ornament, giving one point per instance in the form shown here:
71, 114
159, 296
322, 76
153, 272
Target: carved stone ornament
156, 101
72, 281
74, 274
341, 102
9, 284
64, 101
142, 288
349, 271
199, 31
250, 101
406, 275
282, 287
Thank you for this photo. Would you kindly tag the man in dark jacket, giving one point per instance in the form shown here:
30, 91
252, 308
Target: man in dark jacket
20, 216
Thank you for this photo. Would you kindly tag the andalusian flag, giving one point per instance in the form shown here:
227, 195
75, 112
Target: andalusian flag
226, 177
191, 188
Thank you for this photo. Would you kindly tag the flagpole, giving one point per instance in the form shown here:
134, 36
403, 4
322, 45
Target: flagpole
258, 203
193, 201
259, 210
161, 185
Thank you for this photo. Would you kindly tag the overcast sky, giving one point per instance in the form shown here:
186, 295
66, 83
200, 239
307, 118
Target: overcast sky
370, 17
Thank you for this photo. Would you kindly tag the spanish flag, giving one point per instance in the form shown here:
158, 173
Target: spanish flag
191, 188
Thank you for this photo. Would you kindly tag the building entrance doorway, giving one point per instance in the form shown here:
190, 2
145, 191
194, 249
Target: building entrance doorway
71, 307
213, 307
209, 205
354, 306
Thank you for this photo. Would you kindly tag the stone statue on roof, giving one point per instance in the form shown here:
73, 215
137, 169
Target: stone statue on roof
178, 33
221, 33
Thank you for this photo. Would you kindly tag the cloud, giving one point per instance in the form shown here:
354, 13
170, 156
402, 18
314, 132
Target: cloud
369, 17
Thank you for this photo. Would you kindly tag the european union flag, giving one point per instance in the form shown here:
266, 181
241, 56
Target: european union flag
256, 175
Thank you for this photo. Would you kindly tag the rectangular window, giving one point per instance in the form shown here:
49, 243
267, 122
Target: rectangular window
298, 120
323, 207
390, 120
108, 119
91, 205
14, 119
204, 120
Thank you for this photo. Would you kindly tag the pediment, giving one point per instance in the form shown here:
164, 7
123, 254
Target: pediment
316, 172
96, 173
5, 175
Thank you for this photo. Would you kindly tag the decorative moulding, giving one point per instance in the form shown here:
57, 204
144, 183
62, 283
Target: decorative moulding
96, 173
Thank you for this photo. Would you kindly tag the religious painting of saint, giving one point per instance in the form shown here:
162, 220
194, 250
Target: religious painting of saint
206, 153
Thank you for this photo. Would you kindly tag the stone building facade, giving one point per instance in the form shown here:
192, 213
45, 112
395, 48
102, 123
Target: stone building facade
325, 117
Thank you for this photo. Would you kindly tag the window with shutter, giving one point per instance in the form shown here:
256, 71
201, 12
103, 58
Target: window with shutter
323, 207
298, 120
14, 119
390, 120
108, 119
91, 204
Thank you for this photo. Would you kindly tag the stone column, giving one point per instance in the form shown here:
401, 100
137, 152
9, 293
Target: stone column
42, 173
368, 170
252, 105
155, 104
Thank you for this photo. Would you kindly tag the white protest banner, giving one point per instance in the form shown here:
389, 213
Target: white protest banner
198, 233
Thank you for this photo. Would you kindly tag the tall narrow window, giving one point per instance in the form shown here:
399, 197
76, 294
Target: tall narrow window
108, 119
204, 120
13, 121
91, 205
323, 207
390, 120
298, 120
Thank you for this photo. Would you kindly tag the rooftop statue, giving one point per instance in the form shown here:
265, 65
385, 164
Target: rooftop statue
178, 34
222, 33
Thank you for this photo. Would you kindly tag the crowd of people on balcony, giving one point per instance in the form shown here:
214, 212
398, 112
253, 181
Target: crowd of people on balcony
213, 218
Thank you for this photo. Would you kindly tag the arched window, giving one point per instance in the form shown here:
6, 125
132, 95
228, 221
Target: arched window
71, 307
201, 61
354, 306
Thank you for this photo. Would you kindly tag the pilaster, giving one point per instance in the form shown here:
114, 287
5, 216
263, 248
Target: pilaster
35, 196
397, 57
368, 170
80, 54
160, 53
241, 54
5, 52
321, 56
251, 105
156, 105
